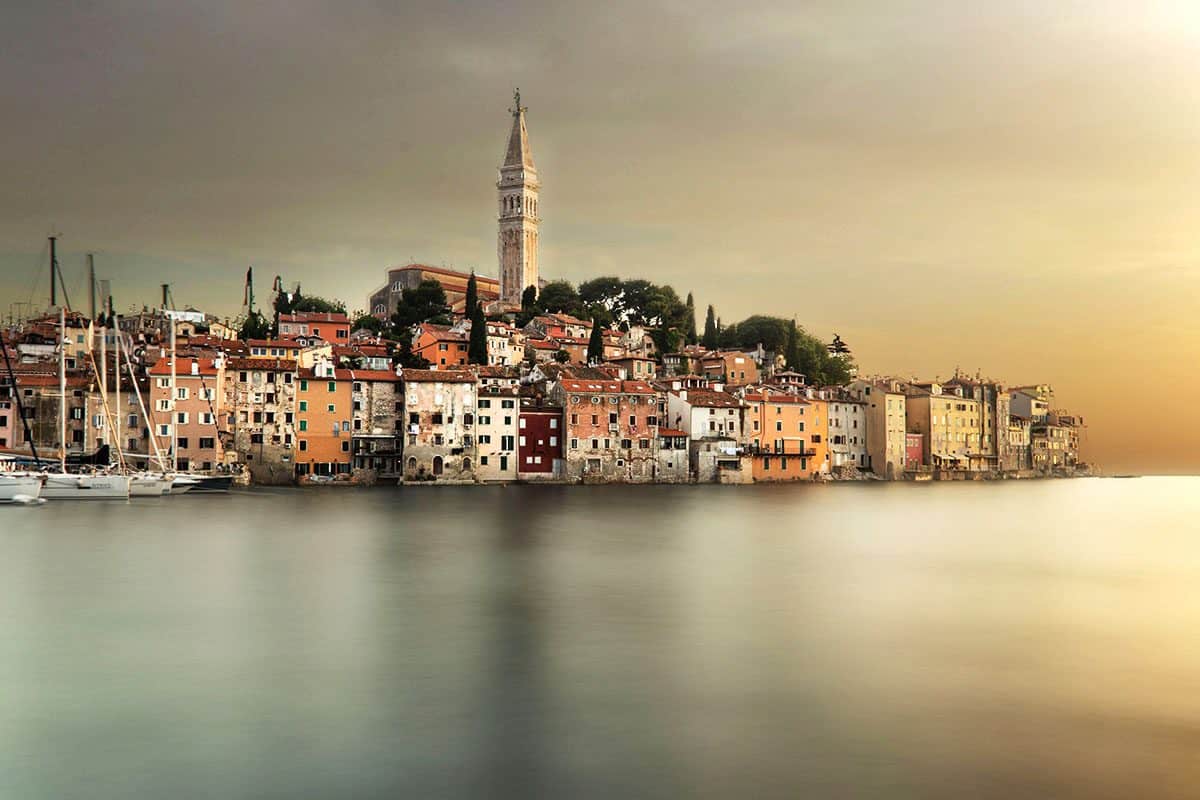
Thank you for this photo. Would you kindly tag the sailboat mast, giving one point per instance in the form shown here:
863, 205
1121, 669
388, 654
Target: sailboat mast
53, 272
62, 386
117, 365
174, 416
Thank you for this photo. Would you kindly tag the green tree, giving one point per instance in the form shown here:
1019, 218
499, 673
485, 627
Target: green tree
595, 351
793, 347
559, 297
255, 327
369, 322
425, 303
318, 305
562, 356
710, 329
477, 344
472, 294
689, 329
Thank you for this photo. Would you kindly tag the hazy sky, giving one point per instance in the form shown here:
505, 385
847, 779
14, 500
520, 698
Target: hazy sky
1009, 187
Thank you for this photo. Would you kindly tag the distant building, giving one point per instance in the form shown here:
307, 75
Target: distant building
517, 194
384, 300
330, 327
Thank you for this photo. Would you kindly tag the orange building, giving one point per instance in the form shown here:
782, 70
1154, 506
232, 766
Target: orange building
323, 414
788, 435
731, 367
441, 347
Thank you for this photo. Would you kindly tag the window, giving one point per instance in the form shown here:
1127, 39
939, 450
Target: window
483, 461
182, 417
182, 442
816, 438
330, 408
554, 441
303, 388
345, 445
522, 441
303, 442
506, 443
522, 423
554, 423
164, 405
332, 386
303, 426
207, 443
574, 444
779, 424
626, 444
206, 418
507, 404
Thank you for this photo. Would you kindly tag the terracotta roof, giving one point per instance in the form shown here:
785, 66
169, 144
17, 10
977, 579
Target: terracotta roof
183, 366
453, 273
707, 398
606, 386
671, 432
372, 375
277, 364
777, 398
314, 316
290, 343
437, 376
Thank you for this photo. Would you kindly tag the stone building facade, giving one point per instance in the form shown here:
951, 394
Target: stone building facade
439, 425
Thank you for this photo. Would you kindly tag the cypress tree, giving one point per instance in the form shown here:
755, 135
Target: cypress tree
472, 296
477, 344
690, 331
710, 329
793, 348
595, 351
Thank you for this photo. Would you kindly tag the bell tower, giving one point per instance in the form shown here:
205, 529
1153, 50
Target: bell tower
517, 241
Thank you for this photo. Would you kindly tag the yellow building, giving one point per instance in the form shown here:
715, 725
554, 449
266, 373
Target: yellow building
949, 421
787, 434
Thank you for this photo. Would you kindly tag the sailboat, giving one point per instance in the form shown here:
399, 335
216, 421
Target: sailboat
63, 485
17, 485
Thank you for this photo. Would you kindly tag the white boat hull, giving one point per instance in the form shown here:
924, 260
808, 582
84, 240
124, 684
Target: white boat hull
149, 485
85, 487
183, 483
20, 488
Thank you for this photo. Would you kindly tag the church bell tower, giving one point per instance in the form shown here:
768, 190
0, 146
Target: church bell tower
517, 242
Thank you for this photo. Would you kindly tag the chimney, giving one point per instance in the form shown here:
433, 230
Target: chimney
195, 367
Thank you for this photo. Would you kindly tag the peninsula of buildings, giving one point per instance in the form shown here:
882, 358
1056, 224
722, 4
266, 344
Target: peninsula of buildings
451, 377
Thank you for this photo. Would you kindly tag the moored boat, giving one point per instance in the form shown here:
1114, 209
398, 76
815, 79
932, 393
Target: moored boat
100, 486
148, 484
20, 487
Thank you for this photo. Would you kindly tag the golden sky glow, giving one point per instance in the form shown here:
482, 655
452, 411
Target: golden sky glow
1010, 187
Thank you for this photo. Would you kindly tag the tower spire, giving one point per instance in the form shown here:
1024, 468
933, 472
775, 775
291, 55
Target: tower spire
517, 242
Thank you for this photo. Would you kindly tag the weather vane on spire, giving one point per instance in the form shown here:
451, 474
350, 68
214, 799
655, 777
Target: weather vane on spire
517, 108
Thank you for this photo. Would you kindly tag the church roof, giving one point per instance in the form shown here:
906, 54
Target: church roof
518, 153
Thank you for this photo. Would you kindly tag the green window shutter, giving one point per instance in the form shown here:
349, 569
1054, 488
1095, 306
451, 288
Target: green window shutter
304, 405
303, 424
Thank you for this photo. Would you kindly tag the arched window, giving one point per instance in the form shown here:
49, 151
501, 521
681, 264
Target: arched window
412, 463
437, 465
466, 465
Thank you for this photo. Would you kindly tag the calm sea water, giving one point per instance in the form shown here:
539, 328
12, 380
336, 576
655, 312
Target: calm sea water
1022, 639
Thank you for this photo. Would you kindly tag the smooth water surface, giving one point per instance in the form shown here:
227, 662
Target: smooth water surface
1001, 640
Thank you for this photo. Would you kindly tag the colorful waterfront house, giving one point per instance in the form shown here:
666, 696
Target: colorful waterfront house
611, 428
259, 417
439, 425
847, 432
914, 452
780, 426
949, 420
185, 414
377, 409
886, 425
442, 346
540, 440
324, 412
672, 459
496, 427
715, 423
